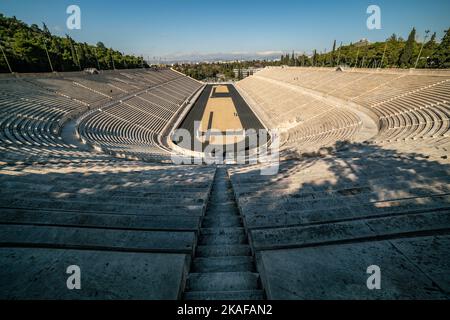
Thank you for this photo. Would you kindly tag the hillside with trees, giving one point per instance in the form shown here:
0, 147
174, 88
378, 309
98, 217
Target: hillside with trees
212, 70
29, 49
395, 52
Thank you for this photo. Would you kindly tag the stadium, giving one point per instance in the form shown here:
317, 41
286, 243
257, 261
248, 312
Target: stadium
88, 180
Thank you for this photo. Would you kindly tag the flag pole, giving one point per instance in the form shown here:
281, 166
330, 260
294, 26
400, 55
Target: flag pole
6, 59
421, 49
384, 54
48, 56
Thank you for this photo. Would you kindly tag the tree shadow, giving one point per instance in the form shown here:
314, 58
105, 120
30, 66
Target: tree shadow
348, 194
126, 224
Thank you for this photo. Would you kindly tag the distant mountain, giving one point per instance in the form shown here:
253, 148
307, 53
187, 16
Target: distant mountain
216, 57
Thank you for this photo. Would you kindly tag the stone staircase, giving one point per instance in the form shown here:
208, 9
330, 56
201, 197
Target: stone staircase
223, 267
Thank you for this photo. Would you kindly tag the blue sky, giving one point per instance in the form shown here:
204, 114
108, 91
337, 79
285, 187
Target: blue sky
196, 27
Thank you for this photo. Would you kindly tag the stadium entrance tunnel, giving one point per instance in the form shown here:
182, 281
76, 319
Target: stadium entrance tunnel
220, 124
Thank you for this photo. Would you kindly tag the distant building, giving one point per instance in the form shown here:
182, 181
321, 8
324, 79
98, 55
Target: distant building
361, 43
246, 72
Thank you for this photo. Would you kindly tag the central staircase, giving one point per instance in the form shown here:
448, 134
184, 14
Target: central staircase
223, 267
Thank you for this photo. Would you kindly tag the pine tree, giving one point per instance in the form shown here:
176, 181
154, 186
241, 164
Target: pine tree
407, 54
332, 54
286, 59
314, 58
46, 30
433, 39
428, 50
72, 50
393, 38
442, 54
56, 47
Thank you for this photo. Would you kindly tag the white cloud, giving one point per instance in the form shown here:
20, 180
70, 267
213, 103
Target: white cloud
222, 56
269, 53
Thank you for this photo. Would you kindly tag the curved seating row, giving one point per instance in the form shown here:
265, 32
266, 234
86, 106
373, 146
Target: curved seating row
325, 130
126, 222
33, 110
310, 123
63, 202
30, 118
409, 105
132, 128
322, 220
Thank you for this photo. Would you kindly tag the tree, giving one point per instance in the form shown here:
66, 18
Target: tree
46, 31
285, 59
25, 47
101, 46
393, 38
386, 54
406, 56
315, 58
35, 28
442, 54
333, 62
432, 41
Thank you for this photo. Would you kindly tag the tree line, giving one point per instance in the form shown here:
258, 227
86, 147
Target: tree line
224, 70
35, 49
395, 52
